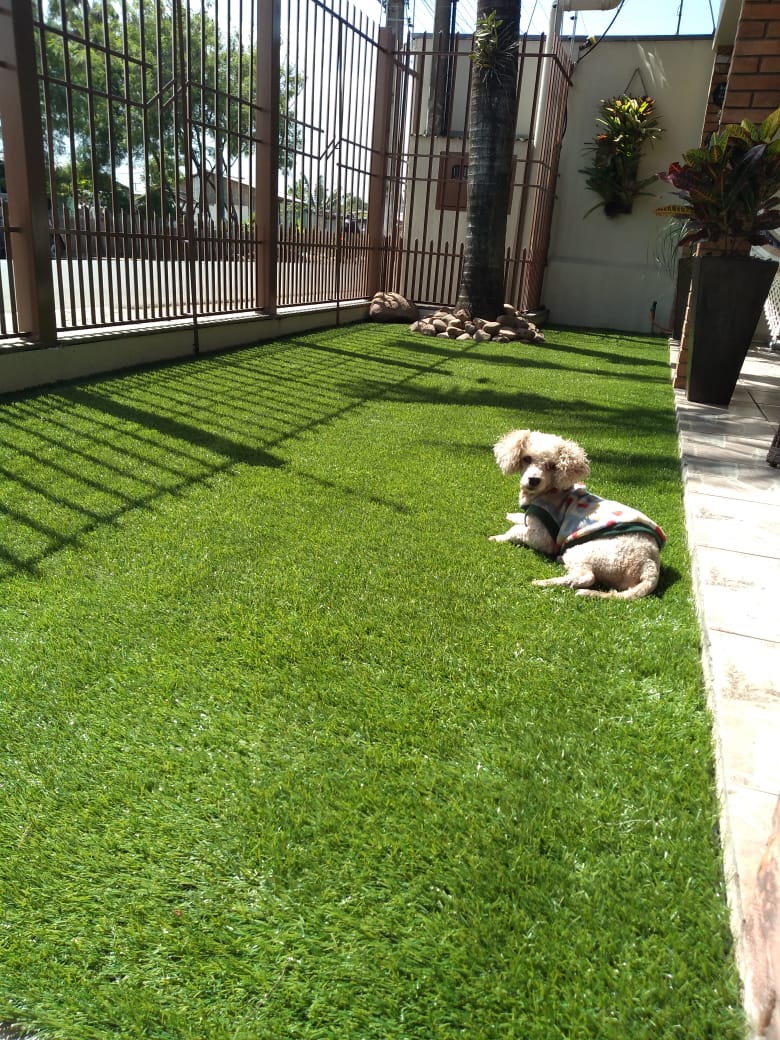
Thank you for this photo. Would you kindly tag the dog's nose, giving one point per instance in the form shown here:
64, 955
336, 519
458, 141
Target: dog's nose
533, 482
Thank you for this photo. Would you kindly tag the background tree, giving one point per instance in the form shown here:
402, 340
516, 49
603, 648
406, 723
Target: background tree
134, 118
315, 205
491, 143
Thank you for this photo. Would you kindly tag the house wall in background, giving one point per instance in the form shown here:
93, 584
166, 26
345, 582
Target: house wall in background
602, 272
753, 88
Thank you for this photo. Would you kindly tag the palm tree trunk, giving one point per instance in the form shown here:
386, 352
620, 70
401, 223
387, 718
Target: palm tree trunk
491, 144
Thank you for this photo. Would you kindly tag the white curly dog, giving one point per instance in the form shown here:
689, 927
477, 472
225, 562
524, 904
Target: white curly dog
598, 541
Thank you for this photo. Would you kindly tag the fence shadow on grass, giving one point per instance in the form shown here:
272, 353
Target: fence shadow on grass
82, 456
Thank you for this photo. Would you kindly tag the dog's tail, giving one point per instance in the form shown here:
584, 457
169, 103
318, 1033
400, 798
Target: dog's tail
648, 579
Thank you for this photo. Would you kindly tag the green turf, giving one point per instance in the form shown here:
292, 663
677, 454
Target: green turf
291, 750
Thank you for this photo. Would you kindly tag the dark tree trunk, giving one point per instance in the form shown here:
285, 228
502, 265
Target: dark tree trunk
441, 70
491, 143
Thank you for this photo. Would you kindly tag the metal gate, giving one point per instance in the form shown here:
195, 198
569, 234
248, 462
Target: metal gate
197, 159
172, 160
431, 153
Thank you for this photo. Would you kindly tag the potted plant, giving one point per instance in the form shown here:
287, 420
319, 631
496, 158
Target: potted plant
729, 192
627, 124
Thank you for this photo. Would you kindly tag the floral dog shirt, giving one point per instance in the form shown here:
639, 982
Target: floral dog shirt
576, 515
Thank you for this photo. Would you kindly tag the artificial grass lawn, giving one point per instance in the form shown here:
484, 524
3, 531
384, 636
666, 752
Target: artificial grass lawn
292, 750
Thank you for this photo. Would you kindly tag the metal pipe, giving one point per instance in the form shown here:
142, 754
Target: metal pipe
557, 11
589, 5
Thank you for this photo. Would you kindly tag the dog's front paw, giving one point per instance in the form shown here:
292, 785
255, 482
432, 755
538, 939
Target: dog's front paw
515, 534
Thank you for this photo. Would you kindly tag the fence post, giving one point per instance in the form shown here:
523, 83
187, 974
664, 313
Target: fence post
28, 209
267, 155
377, 185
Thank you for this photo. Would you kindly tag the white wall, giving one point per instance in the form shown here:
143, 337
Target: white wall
602, 272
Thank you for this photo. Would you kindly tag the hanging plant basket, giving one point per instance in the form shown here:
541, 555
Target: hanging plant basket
627, 124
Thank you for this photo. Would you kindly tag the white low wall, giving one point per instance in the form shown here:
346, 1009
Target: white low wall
107, 350
602, 272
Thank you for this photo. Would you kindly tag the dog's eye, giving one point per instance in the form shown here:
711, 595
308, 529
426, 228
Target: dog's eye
527, 460
550, 467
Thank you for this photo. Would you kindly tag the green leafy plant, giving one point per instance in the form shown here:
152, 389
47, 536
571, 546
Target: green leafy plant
628, 124
667, 245
729, 188
495, 48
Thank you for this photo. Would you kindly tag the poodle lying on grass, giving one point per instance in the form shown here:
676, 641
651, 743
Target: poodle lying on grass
599, 542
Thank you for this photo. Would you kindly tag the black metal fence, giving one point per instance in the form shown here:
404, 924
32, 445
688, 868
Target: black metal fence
179, 158
425, 253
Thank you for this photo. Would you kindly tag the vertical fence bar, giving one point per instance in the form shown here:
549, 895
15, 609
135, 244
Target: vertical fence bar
553, 115
25, 178
180, 61
377, 184
267, 153
514, 291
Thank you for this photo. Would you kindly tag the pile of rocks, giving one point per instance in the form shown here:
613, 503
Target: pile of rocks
391, 306
507, 327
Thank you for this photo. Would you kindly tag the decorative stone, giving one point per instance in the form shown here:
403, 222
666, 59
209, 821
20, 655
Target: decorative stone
509, 327
392, 306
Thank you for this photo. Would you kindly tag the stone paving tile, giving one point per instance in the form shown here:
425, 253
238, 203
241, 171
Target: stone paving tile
746, 824
732, 500
739, 592
721, 522
746, 709
749, 757
745, 670
712, 433
727, 455
738, 483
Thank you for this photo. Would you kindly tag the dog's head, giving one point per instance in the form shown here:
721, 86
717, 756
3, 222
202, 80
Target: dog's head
544, 462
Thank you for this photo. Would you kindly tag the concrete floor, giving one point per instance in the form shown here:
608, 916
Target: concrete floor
732, 498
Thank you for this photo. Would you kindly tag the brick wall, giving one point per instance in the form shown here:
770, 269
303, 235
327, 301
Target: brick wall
753, 88
720, 75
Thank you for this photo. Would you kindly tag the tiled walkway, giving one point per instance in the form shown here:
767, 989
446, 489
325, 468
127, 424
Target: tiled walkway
732, 498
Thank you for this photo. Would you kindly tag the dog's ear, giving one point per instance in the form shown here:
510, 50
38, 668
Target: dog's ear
573, 461
510, 449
